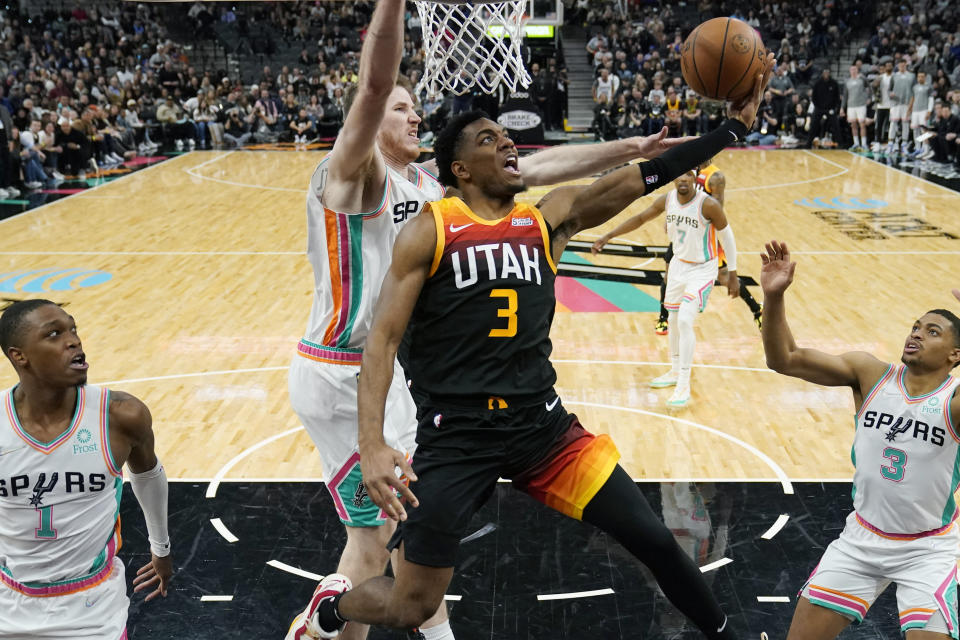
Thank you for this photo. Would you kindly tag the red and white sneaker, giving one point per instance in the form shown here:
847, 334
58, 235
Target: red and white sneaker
306, 626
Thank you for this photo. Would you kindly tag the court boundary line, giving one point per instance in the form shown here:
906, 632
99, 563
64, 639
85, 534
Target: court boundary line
222, 529
716, 564
94, 188
303, 253
780, 474
231, 183
776, 527
844, 171
635, 363
225, 469
902, 172
589, 236
543, 597
770, 462
153, 253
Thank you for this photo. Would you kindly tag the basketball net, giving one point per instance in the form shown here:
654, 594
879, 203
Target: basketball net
467, 45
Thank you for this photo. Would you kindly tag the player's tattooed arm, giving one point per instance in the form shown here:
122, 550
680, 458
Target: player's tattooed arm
131, 435
561, 231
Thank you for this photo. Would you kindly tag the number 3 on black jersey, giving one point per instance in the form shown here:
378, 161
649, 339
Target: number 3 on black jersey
509, 312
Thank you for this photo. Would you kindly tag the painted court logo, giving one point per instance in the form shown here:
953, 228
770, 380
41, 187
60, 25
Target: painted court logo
861, 220
51, 279
839, 203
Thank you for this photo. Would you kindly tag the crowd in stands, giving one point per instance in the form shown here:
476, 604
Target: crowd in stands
91, 87
639, 87
338, 28
95, 85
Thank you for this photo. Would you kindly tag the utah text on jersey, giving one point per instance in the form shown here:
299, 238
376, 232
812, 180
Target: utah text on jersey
502, 263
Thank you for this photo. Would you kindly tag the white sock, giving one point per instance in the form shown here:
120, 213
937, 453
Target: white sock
440, 632
674, 336
856, 141
687, 338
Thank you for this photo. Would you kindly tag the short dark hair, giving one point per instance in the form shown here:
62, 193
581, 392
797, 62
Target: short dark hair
954, 323
447, 144
13, 319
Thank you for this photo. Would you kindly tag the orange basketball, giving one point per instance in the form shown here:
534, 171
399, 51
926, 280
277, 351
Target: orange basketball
721, 57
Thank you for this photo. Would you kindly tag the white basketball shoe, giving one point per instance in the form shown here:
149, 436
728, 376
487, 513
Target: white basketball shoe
306, 626
680, 397
666, 380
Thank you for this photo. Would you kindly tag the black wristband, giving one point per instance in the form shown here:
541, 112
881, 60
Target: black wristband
678, 160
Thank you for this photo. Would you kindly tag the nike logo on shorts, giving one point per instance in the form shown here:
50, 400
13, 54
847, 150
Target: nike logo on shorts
551, 405
454, 229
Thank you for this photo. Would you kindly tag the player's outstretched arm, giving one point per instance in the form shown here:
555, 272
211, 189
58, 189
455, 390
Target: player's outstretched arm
853, 369
130, 420
572, 161
354, 153
631, 224
611, 194
413, 255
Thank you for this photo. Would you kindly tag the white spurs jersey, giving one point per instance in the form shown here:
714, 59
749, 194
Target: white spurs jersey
906, 456
350, 255
694, 237
59, 500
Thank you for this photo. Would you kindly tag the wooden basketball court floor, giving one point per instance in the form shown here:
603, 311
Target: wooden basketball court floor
209, 290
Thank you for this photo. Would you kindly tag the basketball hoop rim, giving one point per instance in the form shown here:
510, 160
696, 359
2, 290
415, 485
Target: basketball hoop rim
453, 31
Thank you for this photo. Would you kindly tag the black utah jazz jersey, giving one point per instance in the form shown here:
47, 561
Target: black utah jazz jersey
482, 323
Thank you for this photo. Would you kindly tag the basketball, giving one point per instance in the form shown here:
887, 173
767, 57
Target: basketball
721, 57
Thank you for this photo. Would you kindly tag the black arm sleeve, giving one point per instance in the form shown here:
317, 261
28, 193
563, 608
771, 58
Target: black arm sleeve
673, 163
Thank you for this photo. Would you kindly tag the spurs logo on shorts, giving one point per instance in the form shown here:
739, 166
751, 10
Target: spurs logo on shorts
359, 495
